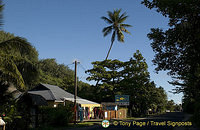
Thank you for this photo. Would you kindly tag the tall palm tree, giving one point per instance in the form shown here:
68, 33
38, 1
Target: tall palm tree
116, 26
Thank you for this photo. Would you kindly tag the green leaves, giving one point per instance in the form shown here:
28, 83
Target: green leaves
127, 78
178, 48
9, 71
116, 20
116, 26
56, 74
18, 61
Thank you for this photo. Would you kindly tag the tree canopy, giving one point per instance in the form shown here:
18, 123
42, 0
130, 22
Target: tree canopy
177, 49
18, 61
61, 75
132, 78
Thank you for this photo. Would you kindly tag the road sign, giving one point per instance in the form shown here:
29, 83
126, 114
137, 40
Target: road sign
122, 99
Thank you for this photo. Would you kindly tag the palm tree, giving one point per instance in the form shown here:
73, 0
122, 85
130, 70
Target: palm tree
17, 61
116, 26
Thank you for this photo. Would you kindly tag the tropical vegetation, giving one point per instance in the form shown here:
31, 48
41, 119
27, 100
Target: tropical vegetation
116, 26
21, 69
177, 49
114, 77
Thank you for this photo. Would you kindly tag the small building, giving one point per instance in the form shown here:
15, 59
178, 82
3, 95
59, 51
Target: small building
55, 95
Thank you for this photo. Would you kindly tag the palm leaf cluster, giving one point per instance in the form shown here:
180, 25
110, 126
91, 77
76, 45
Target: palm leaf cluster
17, 61
116, 26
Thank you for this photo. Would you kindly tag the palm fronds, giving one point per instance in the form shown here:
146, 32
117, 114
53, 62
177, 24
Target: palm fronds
115, 20
17, 61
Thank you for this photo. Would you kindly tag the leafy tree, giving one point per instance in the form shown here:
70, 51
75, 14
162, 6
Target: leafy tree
18, 59
160, 99
178, 48
56, 74
136, 83
116, 25
170, 105
107, 76
127, 78
19, 68
60, 75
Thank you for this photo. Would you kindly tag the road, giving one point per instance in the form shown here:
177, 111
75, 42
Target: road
168, 121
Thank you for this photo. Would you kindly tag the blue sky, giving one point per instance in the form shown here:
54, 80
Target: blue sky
72, 29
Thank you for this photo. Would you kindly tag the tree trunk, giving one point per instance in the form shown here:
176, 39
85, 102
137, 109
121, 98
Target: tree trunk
109, 50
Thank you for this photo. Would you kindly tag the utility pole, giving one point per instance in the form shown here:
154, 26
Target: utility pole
75, 91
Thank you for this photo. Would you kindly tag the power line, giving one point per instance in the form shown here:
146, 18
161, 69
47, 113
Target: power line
82, 67
69, 64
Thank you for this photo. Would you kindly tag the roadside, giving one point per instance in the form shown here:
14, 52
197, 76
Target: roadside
96, 123
187, 117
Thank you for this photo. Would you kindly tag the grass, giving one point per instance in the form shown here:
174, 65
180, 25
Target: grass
131, 118
70, 126
83, 124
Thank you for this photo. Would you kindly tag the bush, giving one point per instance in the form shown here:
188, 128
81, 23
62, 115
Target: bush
59, 116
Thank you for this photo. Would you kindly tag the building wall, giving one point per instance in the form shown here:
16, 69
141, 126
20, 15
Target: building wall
54, 104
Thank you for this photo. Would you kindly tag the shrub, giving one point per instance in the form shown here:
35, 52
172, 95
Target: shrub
59, 116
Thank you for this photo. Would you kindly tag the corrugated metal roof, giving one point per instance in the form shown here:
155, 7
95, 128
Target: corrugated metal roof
46, 94
55, 93
51, 92
38, 100
58, 92
80, 101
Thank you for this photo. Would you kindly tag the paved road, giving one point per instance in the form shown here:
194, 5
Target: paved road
168, 121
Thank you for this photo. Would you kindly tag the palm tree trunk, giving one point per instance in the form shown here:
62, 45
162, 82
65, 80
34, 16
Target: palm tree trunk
109, 50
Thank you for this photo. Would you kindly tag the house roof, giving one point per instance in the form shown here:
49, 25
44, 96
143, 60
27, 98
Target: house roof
81, 101
38, 100
51, 92
55, 93
46, 94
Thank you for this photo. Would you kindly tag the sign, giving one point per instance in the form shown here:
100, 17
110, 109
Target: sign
122, 99
110, 107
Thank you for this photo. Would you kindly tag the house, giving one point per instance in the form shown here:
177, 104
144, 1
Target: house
55, 95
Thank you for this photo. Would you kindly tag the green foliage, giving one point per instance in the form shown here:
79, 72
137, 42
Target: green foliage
58, 74
59, 116
114, 77
18, 67
116, 25
18, 61
170, 105
178, 48
106, 75
12, 115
